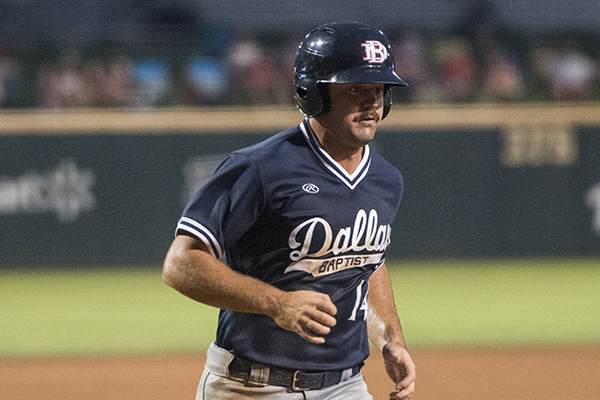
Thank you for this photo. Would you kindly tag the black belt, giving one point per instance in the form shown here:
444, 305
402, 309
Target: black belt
289, 378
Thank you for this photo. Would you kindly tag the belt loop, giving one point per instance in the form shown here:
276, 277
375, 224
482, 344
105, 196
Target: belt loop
259, 375
218, 360
347, 374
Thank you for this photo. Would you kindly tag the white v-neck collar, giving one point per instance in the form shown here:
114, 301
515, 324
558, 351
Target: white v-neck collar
350, 180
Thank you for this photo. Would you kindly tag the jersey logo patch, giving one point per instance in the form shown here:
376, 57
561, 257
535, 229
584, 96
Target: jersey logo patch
341, 249
310, 188
375, 52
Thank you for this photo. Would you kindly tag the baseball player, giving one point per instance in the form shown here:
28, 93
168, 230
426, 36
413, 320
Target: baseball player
303, 219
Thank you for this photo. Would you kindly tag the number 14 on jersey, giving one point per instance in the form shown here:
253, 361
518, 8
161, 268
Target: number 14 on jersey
361, 301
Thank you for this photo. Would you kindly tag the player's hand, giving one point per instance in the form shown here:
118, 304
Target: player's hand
309, 314
401, 369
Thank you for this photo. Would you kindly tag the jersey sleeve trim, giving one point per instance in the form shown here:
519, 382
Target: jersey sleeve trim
380, 263
198, 230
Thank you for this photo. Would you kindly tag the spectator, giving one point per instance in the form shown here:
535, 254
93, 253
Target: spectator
244, 55
571, 73
205, 81
540, 62
11, 81
151, 83
456, 69
255, 72
93, 75
116, 88
410, 52
503, 80
61, 85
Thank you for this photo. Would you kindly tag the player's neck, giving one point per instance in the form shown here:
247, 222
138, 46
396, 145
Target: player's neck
351, 162
348, 157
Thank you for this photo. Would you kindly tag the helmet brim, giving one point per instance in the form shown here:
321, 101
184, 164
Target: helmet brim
366, 74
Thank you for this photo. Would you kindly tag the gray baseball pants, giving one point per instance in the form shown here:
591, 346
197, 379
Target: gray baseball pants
216, 384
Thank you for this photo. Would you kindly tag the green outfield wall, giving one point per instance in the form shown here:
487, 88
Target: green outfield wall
99, 188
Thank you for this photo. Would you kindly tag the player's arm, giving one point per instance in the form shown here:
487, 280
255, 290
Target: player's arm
386, 333
190, 269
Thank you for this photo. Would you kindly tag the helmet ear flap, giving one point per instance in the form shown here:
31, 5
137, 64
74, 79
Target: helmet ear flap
312, 99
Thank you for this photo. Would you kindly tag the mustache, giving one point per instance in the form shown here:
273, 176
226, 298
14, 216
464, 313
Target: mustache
368, 115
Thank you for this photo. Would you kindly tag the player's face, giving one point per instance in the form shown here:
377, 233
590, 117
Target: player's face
355, 112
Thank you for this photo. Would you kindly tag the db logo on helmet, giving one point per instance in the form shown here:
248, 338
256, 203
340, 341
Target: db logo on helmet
375, 52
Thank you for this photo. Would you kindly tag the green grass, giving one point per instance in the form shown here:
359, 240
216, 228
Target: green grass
98, 311
508, 302
130, 310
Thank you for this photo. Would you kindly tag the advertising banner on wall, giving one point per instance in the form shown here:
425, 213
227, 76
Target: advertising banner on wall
100, 199
94, 199
512, 191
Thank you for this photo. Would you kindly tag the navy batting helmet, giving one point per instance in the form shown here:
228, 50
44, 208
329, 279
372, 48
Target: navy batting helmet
342, 52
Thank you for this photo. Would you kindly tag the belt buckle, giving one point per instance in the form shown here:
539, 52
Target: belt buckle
294, 387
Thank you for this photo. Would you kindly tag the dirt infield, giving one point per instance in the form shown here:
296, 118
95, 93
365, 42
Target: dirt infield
526, 373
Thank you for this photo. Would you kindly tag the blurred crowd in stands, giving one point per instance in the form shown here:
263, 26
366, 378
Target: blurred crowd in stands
483, 67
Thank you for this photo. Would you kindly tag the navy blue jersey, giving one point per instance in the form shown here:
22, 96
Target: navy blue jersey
285, 212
